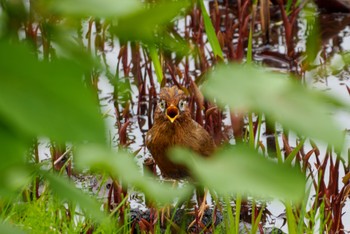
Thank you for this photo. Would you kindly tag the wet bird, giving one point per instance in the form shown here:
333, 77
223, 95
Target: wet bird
173, 126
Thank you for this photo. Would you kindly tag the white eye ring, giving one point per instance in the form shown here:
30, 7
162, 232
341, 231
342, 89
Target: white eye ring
182, 105
162, 105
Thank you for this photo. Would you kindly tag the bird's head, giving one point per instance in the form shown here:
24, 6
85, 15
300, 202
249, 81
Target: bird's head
172, 105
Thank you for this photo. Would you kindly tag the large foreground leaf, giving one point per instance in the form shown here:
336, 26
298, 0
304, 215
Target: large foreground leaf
13, 174
304, 111
66, 190
122, 165
12, 149
144, 24
239, 169
46, 99
92, 8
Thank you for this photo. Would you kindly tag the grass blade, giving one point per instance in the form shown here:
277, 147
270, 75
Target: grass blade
156, 63
209, 28
292, 155
292, 226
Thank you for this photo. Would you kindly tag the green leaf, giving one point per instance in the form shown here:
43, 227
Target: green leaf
250, 46
304, 111
143, 24
209, 29
94, 8
66, 190
47, 98
292, 224
13, 174
156, 63
121, 165
13, 180
6, 228
292, 154
241, 170
313, 39
12, 149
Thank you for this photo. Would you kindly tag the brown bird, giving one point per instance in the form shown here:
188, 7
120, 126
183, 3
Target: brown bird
173, 126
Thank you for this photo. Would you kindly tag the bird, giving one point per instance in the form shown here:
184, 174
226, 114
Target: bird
174, 126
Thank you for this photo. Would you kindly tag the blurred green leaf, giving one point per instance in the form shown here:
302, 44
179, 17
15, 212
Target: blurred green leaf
92, 8
209, 29
346, 57
304, 111
47, 99
169, 44
13, 180
146, 23
6, 228
122, 165
241, 170
13, 176
66, 190
12, 149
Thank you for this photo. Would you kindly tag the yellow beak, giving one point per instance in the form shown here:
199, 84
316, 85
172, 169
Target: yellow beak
172, 113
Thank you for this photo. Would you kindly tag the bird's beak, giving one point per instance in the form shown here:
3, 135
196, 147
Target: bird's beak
172, 113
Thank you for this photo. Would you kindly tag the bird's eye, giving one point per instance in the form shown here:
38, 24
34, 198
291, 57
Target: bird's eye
162, 105
182, 105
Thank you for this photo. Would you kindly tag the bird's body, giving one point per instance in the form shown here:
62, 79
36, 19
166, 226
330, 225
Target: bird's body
173, 126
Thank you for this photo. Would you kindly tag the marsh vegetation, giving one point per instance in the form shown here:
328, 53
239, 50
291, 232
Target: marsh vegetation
79, 83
